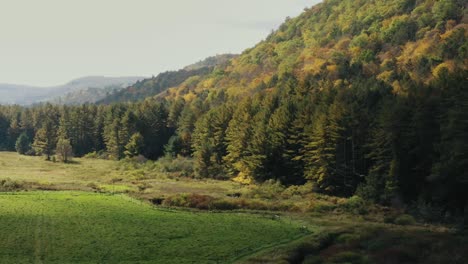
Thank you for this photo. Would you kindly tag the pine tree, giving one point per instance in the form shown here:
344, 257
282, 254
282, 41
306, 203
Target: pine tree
278, 126
321, 151
152, 124
4, 124
295, 143
114, 145
134, 145
238, 134
185, 127
45, 139
209, 144
127, 127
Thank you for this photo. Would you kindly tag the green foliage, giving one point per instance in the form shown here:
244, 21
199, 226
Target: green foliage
134, 145
23, 144
405, 220
64, 150
446, 9
45, 139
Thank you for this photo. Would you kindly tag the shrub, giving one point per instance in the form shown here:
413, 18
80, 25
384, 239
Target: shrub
10, 185
257, 205
198, 201
143, 186
268, 190
179, 200
291, 191
93, 186
96, 155
355, 205
223, 204
182, 165
405, 220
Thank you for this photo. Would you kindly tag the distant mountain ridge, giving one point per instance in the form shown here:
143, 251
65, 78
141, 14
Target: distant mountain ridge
82, 90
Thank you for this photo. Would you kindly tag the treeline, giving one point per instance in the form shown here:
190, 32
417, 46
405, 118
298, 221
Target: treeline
116, 129
361, 139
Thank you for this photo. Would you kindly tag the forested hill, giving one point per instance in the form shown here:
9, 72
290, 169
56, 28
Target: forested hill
166, 80
354, 97
395, 42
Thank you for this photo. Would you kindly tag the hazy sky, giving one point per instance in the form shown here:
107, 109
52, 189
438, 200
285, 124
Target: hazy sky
49, 42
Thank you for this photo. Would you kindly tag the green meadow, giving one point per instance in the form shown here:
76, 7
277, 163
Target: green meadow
95, 211
78, 227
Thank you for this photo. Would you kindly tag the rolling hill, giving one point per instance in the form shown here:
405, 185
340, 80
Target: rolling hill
83, 90
156, 85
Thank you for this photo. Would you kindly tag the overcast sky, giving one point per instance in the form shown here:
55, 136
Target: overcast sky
50, 42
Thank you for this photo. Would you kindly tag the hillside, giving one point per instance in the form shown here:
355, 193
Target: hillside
218, 60
162, 82
393, 42
83, 90
357, 97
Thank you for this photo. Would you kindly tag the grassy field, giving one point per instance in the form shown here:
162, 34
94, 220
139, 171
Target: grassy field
107, 175
77, 227
100, 213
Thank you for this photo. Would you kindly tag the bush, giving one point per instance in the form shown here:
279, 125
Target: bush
268, 190
181, 165
94, 186
198, 201
297, 190
223, 204
356, 205
96, 155
10, 185
405, 220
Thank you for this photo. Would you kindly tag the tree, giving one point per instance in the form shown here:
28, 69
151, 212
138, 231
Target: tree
209, 144
238, 135
23, 144
45, 139
64, 150
114, 145
4, 124
134, 146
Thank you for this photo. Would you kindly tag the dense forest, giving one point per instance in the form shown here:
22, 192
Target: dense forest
159, 84
357, 97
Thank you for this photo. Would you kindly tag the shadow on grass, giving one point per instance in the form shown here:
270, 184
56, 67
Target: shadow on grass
73, 162
384, 244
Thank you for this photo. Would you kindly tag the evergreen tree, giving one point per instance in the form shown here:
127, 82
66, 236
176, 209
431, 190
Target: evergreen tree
238, 134
134, 145
114, 145
23, 144
4, 124
45, 139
